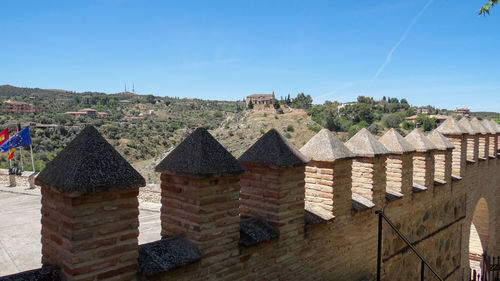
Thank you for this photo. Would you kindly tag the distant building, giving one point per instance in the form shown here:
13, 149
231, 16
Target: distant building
462, 111
18, 106
90, 112
422, 111
132, 118
342, 105
260, 100
439, 118
38, 125
151, 112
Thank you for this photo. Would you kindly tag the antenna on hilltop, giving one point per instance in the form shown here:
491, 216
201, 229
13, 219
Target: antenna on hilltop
125, 88
133, 89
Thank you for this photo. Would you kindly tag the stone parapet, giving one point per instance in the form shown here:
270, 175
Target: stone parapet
90, 219
328, 180
272, 187
368, 167
456, 134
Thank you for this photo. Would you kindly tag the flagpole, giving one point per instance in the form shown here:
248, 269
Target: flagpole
32, 162
21, 155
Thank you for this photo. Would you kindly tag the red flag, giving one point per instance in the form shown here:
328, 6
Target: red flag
11, 154
4, 136
11, 151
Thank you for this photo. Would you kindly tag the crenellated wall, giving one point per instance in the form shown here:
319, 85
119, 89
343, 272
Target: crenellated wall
301, 215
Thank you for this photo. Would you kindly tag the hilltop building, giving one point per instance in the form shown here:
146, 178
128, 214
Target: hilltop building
90, 112
260, 99
462, 111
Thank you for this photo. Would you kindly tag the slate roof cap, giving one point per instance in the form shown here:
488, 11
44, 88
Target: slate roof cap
396, 143
255, 230
420, 141
89, 164
440, 141
46, 273
451, 127
166, 254
273, 149
495, 125
200, 154
325, 146
364, 144
479, 126
468, 126
488, 126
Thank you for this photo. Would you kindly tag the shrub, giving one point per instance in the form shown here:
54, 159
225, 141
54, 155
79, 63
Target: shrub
374, 128
408, 125
290, 128
288, 136
392, 120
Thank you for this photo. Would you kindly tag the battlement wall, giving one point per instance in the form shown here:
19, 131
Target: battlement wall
276, 213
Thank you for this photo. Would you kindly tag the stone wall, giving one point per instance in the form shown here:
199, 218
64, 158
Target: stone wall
294, 216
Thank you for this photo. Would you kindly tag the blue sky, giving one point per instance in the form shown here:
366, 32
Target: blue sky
431, 52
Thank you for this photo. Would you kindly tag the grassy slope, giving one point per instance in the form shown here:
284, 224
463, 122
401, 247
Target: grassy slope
239, 136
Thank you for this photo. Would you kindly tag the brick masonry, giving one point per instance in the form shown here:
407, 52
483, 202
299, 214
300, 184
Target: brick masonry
95, 237
437, 220
91, 237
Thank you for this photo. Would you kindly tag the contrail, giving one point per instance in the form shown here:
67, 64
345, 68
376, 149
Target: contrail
403, 37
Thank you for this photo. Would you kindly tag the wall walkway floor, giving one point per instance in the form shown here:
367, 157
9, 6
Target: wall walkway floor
20, 247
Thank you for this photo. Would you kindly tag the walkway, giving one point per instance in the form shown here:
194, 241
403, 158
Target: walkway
20, 247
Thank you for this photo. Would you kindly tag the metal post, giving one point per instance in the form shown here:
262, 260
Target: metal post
32, 162
21, 158
422, 270
379, 247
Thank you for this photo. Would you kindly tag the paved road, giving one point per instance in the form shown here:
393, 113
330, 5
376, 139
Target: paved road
20, 247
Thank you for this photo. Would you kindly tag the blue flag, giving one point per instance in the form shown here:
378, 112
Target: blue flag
22, 138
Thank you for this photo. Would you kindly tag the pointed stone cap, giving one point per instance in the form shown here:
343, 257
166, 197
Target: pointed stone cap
468, 126
364, 144
273, 149
395, 143
200, 155
325, 146
476, 122
495, 125
89, 164
451, 127
419, 141
440, 141
489, 127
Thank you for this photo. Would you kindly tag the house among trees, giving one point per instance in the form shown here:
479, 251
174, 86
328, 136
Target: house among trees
17, 106
439, 119
90, 112
462, 111
260, 100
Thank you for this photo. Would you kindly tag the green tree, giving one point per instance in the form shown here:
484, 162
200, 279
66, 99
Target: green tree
485, 9
426, 123
276, 104
392, 120
408, 125
250, 105
302, 101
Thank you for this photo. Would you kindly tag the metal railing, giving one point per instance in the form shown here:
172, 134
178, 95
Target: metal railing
490, 269
423, 262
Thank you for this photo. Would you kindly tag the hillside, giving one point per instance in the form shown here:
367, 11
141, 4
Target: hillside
236, 137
